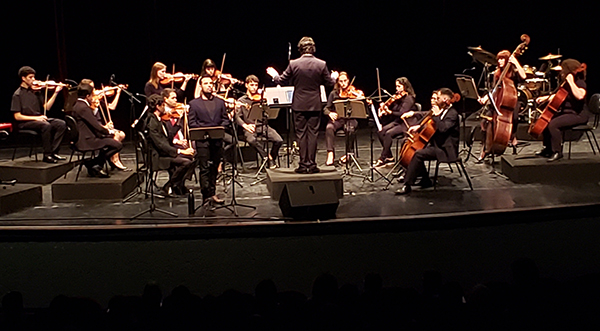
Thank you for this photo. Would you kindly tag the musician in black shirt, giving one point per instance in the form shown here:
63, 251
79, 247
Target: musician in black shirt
208, 111
27, 107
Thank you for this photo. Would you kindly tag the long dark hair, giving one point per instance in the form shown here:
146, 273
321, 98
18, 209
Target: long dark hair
407, 86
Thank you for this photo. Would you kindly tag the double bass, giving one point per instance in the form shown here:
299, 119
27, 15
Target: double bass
504, 100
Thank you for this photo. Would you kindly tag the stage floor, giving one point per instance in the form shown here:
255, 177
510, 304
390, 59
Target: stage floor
363, 200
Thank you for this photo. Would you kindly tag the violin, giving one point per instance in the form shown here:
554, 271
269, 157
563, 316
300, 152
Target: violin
389, 102
176, 112
225, 79
351, 93
176, 77
49, 84
109, 91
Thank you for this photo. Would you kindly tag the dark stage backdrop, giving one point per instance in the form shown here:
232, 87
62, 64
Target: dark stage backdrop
425, 41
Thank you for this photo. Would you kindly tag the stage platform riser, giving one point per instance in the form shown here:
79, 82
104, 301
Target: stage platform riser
26, 170
115, 188
581, 168
20, 196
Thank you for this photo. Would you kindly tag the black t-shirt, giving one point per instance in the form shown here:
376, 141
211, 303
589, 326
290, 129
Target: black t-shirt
27, 102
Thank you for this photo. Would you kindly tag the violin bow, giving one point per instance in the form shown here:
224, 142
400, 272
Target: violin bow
106, 105
46, 95
173, 80
219, 78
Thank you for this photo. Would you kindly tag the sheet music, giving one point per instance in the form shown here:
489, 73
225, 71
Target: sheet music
376, 118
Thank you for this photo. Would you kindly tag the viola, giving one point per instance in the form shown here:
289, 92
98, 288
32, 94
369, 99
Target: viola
49, 84
389, 102
176, 77
505, 99
351, 93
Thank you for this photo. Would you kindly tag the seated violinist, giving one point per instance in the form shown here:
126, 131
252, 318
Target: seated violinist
260, 127
158, 137
92, 135
403, 101
221, 82
341, 90
442, 146
160, 79
100, 106
28, 107
174, 118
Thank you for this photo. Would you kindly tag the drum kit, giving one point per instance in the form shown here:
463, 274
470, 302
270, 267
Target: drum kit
537, 82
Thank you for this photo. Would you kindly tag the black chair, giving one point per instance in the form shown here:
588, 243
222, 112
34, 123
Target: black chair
32, 136
152, 162
575, 133
73, 134
459, 165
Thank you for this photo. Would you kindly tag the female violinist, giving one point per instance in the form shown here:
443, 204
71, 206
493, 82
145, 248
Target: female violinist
341, 90
570, 112
101, 109
402, 102
159, 73
221, 81
516, 74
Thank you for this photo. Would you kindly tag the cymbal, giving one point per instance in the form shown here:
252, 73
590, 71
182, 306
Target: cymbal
475, 49
556, 68
551, 56
484, 57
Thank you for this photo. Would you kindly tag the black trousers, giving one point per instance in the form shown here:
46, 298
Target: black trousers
416, 167
52, 132
386, 137
348, 124
271, 135
553, 132
209, 153
180, 167
110, 148
306, 124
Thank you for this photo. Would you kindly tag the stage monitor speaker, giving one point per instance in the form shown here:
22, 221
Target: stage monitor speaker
309, 200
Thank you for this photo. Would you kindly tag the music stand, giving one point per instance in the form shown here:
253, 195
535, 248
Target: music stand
351, 109
468, 90
209, 132
260, 112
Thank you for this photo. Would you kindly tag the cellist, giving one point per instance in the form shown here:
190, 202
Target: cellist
570, 113
517, 75
443, 145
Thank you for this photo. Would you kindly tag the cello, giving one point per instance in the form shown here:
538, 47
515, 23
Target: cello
426, 130
536, 128
504, 100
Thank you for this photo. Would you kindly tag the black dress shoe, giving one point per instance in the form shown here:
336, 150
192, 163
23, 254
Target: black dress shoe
49, 159
301, 170
58, 157
99, 172
555, 156
544, 153
405, 189
425, 183
314, 170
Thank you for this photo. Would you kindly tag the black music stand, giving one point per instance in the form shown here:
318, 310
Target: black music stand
262, 112
218, 132
150, 178
468, 90
351, 109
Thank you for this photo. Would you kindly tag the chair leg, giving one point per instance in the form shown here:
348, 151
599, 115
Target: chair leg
569, 150
80, 165
466, 174
587, 134
70, 159
459, 172
14, 153
596, 140
435, 176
